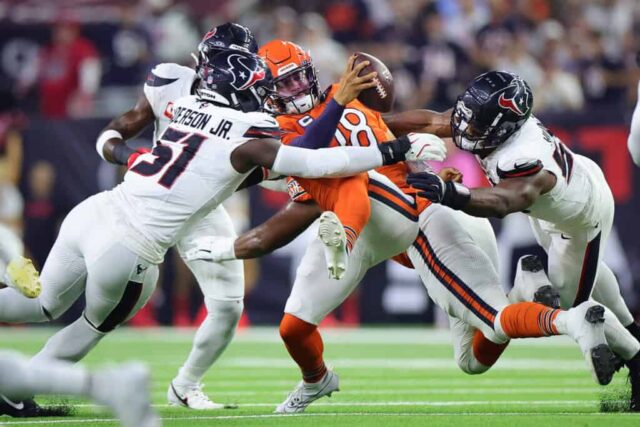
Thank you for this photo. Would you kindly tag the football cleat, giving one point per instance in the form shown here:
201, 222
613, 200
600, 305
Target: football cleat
547, 295
532, 284
191, 397
19, 409
306, 393
333, 237
585, 324
28, 408
125, 389
634, 379
22, 276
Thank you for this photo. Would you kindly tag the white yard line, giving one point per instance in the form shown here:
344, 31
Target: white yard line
574, 403
327, 414
403, 364
264, 334
417, 391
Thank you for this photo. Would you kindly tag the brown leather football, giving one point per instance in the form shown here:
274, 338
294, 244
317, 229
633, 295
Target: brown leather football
380, 97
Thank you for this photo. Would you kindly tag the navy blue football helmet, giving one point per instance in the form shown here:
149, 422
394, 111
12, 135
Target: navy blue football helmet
494, 106
235, 79
229, 36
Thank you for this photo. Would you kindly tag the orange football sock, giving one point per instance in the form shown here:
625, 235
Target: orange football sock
528, 320
304, 344
485, 351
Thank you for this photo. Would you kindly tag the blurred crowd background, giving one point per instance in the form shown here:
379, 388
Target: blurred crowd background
68, 66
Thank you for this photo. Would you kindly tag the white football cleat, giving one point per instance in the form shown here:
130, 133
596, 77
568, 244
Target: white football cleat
125, 389
306, 393
191, 397
585, 324
22, 276
333, 237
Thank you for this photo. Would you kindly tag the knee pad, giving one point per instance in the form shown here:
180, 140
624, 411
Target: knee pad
216, 307
226, 313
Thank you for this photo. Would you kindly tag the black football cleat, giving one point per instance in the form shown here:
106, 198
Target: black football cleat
634, 379
28, 408
545, 295
19, 409
532, 263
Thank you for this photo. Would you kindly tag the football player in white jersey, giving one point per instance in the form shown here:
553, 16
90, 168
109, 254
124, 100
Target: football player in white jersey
123, 388
566, 196
633, 142
222, 284
455, 255
110, 245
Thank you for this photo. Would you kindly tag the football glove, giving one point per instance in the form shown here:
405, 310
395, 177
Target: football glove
413, 147
134, 156
432, 187
426, 146
211, 248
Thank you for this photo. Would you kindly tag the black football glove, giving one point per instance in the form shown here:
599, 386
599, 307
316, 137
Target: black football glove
432, 187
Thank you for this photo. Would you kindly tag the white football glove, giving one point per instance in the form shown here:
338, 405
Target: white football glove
211, 248
426, 146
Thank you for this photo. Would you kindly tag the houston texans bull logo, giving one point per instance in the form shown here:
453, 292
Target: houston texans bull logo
243, 75
515, 98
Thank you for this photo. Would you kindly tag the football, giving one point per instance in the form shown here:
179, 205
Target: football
380, 97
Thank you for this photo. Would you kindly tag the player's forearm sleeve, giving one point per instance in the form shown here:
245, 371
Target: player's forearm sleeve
320, 132
331, 162
633, 142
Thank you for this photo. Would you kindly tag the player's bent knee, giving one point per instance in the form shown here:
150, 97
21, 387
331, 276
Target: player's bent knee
231, 309
470, 365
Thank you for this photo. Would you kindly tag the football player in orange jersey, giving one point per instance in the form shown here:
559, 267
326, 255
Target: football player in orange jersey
334, 117
457, 263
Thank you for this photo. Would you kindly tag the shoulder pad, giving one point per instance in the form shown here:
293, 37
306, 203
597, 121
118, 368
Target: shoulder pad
520, 168
262, 132
261, 125
167, 73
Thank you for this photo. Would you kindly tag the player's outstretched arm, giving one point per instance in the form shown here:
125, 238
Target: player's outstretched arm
277, 231
334, 162
426, 121
509, 196
111, 144
273, 234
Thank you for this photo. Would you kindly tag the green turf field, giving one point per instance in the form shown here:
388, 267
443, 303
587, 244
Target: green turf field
389, 377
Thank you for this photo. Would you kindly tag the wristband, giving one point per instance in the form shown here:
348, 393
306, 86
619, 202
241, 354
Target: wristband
103, 138
395, 151
456, 195
121, 153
